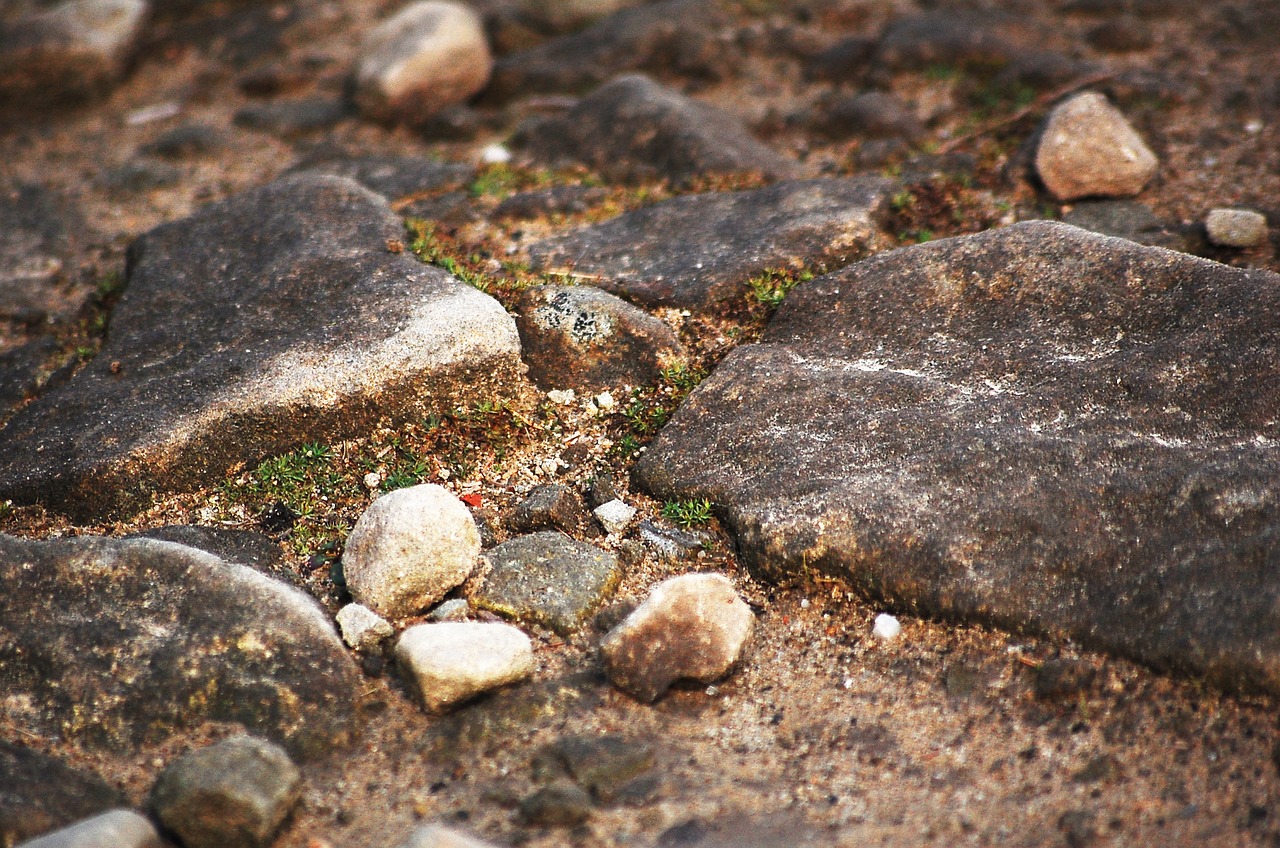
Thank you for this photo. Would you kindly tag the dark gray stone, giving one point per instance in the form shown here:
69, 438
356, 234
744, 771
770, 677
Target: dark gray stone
21, 369
546, 202
188, 141
234, 794
871, 114
635, 129
247, 547
1126, 219
584, 338
118, 642
553, 506
277, 317
548, 579
39, 793
293, 117
698, 251
612, 767
560, 804
975, 39
668, 543
397, 178
1036, 427
138, 176
677, 36
37, 252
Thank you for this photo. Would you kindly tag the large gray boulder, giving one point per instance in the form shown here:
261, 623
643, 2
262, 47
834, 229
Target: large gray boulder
120, 642
699, 251
283, 315
1036, 427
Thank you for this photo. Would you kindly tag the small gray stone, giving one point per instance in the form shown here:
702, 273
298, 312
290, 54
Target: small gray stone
692, 626
1236, 227
112, 829
409, 548
188, 140
585, 338
452, 662
1088, 149
548, 579
615, 516
429, 55
552, 506
234, 794
362, 628
291, 117
610, 767
561, 804
438, 836
669, 543
455, 609
1125, 219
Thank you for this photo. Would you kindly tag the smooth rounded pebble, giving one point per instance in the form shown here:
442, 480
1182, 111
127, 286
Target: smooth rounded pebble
438, 836
692, 626
451, 662
409, 549
362, 628
1236, 227
234, 794
1088, 149
886, 627
112, 829
427, 56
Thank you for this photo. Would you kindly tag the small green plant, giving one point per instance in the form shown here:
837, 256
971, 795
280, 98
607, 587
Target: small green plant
771, 287
682, 378
687, 513
902, 200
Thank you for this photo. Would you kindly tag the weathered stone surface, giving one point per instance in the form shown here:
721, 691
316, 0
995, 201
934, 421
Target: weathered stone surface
68, 51
611, 767
585, 338
429, 55
693, 626
548, 579
1236, 227
409, 548
569, 199
116, 642
273, 318
1036, 427
37, 246
292, 117
699, 251
553, 506
246, 547
438, 836
1125, 219
634, 128
362, 628
615, 516
112, 829
39, 793
234, 794
1088, 149
21, 370
452, 662
397, 178
676, 35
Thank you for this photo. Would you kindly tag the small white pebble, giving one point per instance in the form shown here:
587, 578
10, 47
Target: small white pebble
604, 400
372, 480
886, 627
712, 691
443, 474
149, 114
848, 683
1253, 127
563, 397
495, 154
804, 603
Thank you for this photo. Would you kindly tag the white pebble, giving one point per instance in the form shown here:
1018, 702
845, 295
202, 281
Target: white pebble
615, 516
452, 662
495, 154
372, 480
564, 397
362, 628
604, 400
886, 627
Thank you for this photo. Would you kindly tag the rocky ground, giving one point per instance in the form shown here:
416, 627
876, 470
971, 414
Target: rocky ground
618, 292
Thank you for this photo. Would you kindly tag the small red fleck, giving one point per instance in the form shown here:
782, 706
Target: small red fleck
473, 500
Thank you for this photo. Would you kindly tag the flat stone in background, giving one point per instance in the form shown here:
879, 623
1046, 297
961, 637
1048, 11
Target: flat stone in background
276, 317
118, 642
1088, 149
452, 662
429, 55
409, 548
698, 251
1072, 434
1125, 219
1236, 227
548, 579
39, 793
585, 338
635, 129
233, 794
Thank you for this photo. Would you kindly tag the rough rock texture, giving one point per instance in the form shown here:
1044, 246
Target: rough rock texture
585, 338
409, 548
698, 251
275, 317
246, 547
452, 662
117, 642
1125, 219
1037, 427
429, 55
553, 506
37, 248
362, 628
397, 178
634, 128
676, 35
39, 793
692, 626
68, 51
1236, 227
234, 794
1088, 149
112, 829
548, 579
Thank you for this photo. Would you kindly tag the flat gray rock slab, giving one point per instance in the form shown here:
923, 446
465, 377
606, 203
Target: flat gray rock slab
118, 642
1036, 427
277, 317
548, 579
699, 251
633, 128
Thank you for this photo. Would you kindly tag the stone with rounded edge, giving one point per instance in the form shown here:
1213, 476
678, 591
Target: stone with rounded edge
1088, 149
451, 662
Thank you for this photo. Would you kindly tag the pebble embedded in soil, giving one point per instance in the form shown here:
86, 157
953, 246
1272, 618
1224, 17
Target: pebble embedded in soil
451, 662
886, 627
1089, 149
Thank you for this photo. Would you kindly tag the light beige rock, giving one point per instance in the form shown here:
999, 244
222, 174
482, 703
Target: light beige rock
438, 836
409, 549
426, 57
1088, 149
692, 626
112, 829
362, 628
1236, 227
451, 662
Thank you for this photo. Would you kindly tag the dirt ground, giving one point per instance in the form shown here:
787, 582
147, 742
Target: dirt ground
948, 735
